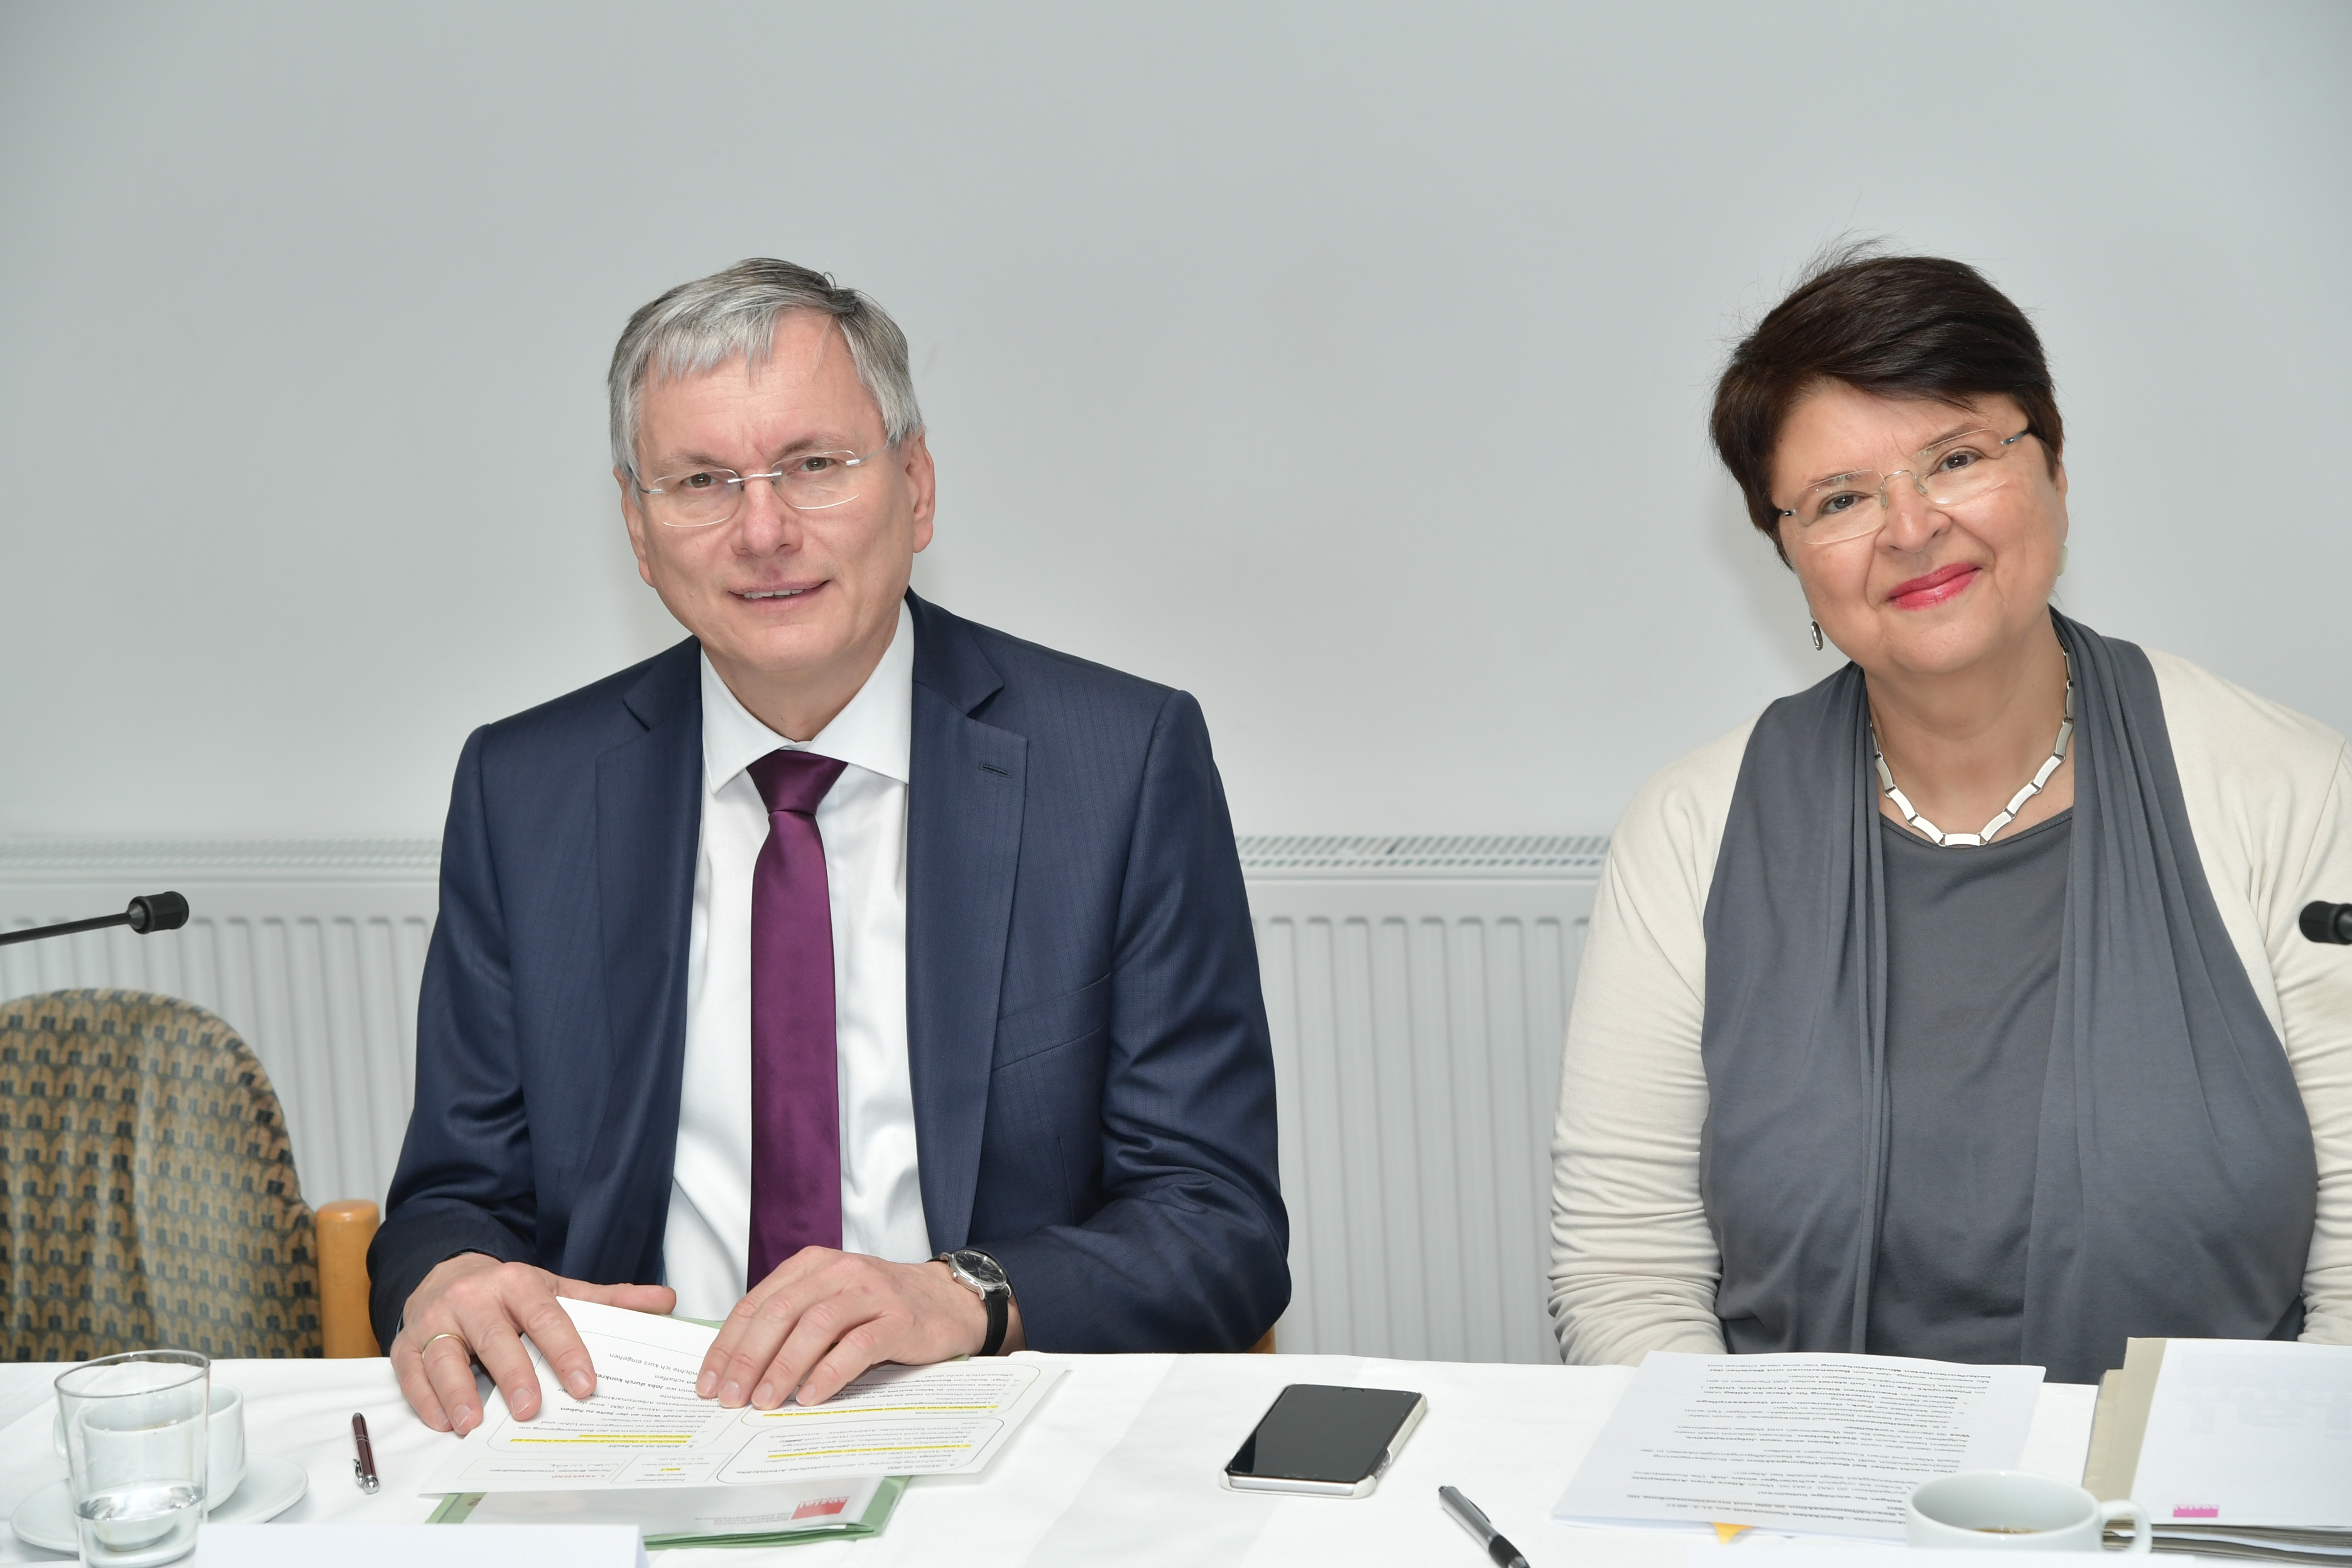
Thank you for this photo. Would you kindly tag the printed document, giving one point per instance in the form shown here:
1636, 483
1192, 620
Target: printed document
644, 1428
2250, 1433
1822, 1445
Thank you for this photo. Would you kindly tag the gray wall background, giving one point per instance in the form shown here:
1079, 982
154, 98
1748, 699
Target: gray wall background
1343, 363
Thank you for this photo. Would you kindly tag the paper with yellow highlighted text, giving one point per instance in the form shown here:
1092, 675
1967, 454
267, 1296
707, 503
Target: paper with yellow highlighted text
644, 1426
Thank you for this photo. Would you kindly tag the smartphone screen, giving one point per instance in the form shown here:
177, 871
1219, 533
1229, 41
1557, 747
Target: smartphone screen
1318, 1433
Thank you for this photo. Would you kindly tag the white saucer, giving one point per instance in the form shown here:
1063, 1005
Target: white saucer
270, 1487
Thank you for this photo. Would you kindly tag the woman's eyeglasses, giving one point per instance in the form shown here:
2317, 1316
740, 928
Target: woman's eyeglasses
1953, 472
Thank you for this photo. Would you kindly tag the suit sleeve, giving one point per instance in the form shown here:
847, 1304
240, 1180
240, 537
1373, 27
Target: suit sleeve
464, 1183
1190, 1252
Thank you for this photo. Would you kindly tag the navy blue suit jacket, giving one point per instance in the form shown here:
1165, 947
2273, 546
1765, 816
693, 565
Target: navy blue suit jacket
1093, 1085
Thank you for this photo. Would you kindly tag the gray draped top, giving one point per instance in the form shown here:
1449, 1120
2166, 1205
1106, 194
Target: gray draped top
1971, 993
2160, 1178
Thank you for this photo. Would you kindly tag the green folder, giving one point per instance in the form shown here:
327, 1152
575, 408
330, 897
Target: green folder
457, 1507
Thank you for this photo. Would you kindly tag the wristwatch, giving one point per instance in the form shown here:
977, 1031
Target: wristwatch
978, 1272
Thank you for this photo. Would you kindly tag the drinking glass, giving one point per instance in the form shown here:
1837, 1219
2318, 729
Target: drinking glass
135, 1449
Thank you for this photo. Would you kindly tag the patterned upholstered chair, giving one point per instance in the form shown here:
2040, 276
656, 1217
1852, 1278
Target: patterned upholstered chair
150, 1193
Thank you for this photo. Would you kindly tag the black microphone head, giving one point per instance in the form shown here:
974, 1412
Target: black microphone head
158, 911
2323, 921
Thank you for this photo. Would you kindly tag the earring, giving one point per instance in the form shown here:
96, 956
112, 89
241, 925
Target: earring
2062, 561
1817, 634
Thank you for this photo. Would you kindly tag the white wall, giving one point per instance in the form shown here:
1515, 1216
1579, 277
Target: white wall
1346, 363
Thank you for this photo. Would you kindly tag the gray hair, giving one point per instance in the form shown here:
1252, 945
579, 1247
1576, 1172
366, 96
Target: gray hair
699, 326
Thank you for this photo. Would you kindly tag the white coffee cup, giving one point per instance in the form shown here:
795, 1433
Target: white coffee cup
224, 1437
2010, 1510
223, 1446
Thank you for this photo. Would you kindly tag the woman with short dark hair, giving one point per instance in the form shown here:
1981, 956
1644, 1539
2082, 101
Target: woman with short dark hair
1955, 1006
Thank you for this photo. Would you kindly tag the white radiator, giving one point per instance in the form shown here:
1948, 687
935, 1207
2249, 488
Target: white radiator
1417, 989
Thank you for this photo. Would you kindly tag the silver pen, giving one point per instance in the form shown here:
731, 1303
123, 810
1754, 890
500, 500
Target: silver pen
1482, 1528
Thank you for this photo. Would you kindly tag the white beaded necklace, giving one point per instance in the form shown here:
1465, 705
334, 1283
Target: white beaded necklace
1942, 839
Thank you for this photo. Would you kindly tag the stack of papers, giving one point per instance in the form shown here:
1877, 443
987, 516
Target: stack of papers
645, 1450
2236, 1447
1811, 1444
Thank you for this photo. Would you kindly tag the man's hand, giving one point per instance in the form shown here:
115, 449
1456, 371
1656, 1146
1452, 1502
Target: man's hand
473, 1306
823, 1317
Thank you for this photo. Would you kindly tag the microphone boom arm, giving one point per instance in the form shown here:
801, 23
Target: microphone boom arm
148, 913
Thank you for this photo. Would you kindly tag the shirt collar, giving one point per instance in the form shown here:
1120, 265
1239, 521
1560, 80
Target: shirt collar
875, 731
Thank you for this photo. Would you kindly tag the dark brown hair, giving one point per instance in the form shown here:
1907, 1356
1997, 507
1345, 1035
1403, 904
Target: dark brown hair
1896, 326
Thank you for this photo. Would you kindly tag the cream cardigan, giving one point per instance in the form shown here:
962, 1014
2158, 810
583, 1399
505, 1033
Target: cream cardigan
1633, 1266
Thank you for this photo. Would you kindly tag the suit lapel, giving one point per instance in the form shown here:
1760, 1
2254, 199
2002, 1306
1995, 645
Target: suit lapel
965, 802
648, 825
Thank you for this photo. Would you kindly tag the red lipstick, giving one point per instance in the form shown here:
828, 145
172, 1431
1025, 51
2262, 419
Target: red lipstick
1939, 586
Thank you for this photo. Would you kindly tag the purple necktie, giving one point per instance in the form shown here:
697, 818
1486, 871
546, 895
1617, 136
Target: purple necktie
796, 1078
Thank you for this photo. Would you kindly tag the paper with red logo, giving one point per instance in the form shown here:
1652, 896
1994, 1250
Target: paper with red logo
2249, 1433
821, 1507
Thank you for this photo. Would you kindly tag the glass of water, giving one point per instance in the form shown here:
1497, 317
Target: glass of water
135, 1448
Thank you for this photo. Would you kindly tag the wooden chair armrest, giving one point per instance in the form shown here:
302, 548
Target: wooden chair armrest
1264, 1345
344, 1231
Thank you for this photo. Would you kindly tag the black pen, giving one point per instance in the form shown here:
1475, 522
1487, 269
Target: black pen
363, 1467
1482, 1530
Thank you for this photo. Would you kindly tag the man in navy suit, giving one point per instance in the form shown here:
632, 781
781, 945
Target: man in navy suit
869, 978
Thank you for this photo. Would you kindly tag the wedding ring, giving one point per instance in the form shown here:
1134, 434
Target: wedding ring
459, 1338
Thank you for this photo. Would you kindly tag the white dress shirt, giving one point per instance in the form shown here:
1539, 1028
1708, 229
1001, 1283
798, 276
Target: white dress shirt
863, 820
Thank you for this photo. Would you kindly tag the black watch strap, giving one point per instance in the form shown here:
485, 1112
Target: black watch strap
1000, 1312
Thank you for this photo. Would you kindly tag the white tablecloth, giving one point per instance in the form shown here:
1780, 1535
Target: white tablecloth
1121, 1465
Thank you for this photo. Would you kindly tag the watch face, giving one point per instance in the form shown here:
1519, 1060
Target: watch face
981, 1266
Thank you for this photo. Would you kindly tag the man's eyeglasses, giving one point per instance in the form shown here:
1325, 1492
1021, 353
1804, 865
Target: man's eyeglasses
702, 498
1954, 471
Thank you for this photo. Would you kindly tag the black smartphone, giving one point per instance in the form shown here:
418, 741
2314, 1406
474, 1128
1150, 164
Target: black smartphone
1325, 1441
